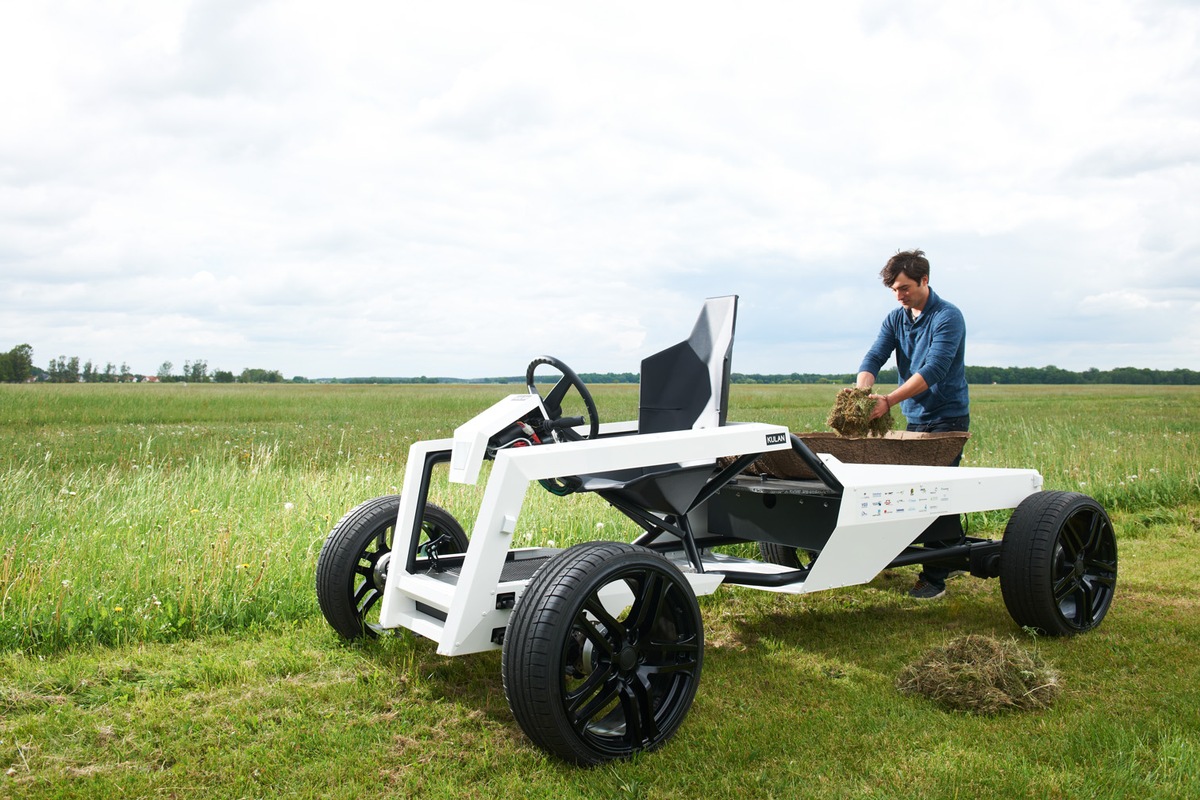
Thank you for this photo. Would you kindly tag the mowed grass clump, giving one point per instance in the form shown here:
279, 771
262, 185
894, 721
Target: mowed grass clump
851, 415
982, 675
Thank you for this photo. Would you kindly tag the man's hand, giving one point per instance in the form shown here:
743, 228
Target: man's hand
882, 406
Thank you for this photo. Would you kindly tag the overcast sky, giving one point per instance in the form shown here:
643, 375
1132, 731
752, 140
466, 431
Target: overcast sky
450, 189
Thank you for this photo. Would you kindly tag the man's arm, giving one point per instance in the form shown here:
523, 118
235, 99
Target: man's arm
881, 350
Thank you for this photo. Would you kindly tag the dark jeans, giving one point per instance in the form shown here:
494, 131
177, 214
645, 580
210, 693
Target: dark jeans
950, 526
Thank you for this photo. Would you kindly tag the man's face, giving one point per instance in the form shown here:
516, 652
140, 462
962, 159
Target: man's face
910, 293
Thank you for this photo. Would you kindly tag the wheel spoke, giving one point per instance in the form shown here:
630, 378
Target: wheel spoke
365, 598
594, 607
674, 656
594, 635
647, 606
637, 703
584, 705
1094, 533
1065, 587
1071, 540
1085, 610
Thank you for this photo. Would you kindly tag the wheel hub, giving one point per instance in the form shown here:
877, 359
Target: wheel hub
627, 659
380, 571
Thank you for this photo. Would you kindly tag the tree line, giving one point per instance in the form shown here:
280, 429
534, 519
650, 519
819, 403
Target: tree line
1011, 375
16, 366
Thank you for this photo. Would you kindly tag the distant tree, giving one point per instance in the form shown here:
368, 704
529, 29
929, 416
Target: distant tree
250, 375
223, 376
126, 374
16, 366
64, 370
164, 371
196, 371
300, 379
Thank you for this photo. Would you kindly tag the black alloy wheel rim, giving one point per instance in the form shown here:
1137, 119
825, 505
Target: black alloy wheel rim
1085, 568
626, 678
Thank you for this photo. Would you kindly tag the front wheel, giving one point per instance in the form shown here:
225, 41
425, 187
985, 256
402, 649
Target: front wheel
1058, 563
353, 564
602, 653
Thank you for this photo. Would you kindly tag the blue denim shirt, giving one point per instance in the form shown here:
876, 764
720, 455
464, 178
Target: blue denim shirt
933, 345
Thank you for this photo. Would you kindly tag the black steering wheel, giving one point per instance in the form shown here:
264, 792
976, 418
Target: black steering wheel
552, 402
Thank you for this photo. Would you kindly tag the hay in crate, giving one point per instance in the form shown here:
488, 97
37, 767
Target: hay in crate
895, 447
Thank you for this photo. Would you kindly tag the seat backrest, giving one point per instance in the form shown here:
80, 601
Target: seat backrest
686, 386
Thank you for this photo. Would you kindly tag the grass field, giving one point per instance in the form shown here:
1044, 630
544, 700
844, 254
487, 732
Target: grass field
159, 633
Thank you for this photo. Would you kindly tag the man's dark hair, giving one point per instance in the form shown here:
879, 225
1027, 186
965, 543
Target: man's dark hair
912, 263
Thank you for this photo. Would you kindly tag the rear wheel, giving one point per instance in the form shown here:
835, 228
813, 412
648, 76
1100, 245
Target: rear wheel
602, 653
353, 564
1058, 563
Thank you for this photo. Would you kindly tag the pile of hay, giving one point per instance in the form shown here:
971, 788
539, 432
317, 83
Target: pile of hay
983, 676
851, 415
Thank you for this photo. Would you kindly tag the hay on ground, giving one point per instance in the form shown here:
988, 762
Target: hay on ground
982, 675
851, 415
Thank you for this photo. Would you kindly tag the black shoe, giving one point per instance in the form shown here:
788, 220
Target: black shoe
926, 591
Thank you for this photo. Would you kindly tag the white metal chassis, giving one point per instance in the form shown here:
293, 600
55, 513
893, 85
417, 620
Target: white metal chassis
883, 510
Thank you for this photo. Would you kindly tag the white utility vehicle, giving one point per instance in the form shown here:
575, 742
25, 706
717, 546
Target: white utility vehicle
602, 643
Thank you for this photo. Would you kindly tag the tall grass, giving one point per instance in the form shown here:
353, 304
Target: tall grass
153, 513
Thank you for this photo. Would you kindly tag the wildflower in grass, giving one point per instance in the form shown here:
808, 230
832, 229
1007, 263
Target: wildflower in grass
599, 526
118, 609
288, 506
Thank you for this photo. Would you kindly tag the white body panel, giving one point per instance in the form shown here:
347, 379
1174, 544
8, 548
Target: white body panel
885, 508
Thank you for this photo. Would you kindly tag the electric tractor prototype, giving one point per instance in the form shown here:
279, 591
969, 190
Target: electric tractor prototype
602, 643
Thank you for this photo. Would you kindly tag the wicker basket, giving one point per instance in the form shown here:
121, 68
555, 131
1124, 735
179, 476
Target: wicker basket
897, 447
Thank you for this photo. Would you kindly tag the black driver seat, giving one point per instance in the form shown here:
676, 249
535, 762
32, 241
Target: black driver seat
684, 387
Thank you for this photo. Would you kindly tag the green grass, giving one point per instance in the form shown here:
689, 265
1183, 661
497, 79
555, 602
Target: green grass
159, 632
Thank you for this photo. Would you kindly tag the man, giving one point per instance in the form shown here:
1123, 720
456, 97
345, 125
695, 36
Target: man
928, 336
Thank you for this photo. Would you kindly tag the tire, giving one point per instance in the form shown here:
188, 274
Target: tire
786, 556
589, 686
1058, 563
353, 563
